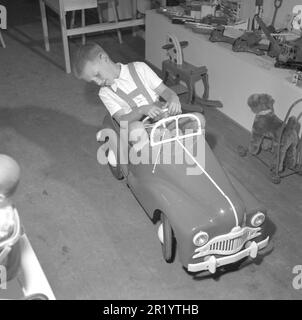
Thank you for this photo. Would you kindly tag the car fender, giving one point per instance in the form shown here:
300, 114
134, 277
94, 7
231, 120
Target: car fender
184, 215
249, 200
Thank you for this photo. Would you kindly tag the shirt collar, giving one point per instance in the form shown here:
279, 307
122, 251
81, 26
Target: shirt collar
264, 112
121, 76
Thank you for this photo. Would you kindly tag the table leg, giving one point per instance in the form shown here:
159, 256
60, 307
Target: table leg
65, 41
83, 25
44, 25
116, 20
134, 11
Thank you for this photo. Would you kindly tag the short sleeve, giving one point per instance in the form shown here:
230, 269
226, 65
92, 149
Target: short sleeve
111, 105
148, 75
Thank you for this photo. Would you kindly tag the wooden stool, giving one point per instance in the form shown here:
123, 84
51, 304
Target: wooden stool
187, 73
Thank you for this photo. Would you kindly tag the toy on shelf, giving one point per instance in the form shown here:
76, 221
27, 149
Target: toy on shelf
188, 13
247, 41
297, 78
217, 35
199, 27
231, 9
296, 21
23, 272
259, 13
207, 28
288, 53
277, 5
280, 138
176, 70
250, 41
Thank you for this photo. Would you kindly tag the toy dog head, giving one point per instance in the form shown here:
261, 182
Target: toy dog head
261, 102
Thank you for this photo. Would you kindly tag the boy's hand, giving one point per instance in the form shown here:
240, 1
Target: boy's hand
153, 111
174, 105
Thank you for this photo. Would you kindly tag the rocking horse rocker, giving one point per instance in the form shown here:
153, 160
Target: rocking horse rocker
280, 138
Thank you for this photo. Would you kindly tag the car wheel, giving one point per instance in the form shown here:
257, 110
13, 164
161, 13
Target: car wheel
114, 166
167, 239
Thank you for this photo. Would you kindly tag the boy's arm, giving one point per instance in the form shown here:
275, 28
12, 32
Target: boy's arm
135, 115
171, 97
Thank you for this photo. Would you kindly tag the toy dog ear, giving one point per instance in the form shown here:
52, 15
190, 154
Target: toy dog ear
253, 102
271, 102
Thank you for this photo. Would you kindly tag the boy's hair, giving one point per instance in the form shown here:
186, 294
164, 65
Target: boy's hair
84, 54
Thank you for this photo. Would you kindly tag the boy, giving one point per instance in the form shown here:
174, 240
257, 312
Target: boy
129, 92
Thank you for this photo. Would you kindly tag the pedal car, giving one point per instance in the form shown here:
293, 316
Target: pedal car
209, 216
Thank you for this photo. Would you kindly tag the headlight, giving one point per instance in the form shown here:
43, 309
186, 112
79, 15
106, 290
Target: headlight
258, 219
200, 238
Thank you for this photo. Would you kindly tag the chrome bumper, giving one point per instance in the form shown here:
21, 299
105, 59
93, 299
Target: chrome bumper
213, 263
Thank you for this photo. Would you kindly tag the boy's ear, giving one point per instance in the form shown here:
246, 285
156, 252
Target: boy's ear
100, 56
103, 57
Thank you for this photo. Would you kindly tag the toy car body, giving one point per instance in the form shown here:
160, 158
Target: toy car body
213, 218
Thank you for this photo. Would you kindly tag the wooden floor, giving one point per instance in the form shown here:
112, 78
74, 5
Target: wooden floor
92, 238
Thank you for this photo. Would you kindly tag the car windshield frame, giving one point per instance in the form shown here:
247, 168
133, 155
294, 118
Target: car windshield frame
164, 122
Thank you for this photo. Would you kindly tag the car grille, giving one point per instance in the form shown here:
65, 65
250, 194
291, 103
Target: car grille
229, 243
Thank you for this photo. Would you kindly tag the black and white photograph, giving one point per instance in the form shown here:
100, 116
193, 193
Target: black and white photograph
150, 153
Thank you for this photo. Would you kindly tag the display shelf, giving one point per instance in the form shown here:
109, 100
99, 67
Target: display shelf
233, 76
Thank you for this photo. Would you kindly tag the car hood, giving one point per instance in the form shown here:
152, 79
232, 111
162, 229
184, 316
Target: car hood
211, 190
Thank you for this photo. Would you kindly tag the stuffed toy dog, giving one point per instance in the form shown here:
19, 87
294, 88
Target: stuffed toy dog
267, 128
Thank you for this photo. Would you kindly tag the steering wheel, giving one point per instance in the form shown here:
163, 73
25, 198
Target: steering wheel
163, 115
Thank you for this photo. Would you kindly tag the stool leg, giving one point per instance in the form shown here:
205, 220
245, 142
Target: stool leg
165, 76
205, 80
114, 8
190, 86
44, 25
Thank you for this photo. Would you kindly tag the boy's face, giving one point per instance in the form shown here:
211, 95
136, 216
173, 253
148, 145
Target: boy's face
99, 71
